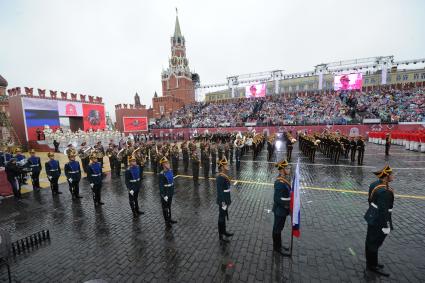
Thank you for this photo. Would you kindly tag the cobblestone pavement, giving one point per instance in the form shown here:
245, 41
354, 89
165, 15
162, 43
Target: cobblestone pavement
106, 243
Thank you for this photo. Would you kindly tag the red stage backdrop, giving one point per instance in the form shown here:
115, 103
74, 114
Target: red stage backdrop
344, 129
135, 124
94, 116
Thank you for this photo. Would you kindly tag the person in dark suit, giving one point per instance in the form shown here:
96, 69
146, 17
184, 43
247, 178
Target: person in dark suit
166, 190
73, 174
34, 165
360, 150
133, 176
13, 172
53, 171
94, 174
381, 201
56, 145
281, 200
223, 199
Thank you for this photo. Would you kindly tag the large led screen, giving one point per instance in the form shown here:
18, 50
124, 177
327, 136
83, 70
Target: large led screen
348, 81
70, 108
256, 90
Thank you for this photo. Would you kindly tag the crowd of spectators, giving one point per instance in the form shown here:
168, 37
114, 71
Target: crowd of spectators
390, 106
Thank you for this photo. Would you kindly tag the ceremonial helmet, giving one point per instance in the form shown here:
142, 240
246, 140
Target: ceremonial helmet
222, 162
131, 158
50, 154
32, 151
71, 152
282, 164
93, 156
386, 171
163, 160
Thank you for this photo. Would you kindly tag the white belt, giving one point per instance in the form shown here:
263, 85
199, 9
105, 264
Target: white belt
226, 191
168, 185
285, 198
390, 210
374, 205
34, 165
133, 181
73, 172
95, 175
53, 170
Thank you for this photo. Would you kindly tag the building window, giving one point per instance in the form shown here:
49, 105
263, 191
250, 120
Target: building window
366, 81
405, 77
416, 76
372, 80
398, 78
161, 109
423, 76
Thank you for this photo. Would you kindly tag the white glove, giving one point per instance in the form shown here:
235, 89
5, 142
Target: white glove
224, 207
386, 231
92, 185
166, 198
70, 180
49, 177
131, 192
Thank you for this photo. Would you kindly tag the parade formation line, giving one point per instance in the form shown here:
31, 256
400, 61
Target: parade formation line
311, 188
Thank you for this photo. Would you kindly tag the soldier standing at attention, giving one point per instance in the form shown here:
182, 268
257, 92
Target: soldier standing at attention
213, 150
360, 149
206, 161
223, 199
53, 172
175, 158
73, 174
195, 166
166, 191
35, 165
387, 144
378, 217
281, 198
133, 176
95, 178
185, 153
353, 147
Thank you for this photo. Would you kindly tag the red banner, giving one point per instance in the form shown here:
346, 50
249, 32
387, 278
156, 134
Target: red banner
135, 124
94, 116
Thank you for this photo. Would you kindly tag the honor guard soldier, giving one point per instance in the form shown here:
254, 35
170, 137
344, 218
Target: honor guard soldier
13, 172
53, 172
223, 199
185, 153
21, 158
353, 147
281, 201
95, 178
360, 149
195, 166
206, 161
378, 217
133, 182
73, 174
213, 151
387, 144
34, 164
166, 191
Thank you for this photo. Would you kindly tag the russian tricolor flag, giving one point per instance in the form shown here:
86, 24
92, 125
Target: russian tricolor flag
295, 202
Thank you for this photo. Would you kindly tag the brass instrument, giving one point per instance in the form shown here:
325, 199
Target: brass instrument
84, 152
121, 154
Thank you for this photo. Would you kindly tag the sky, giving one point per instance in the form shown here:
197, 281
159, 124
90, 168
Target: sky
114, 49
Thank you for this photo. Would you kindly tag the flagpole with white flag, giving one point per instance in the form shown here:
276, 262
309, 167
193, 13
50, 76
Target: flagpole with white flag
295, 205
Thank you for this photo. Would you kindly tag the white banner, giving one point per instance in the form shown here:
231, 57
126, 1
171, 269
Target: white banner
70, 108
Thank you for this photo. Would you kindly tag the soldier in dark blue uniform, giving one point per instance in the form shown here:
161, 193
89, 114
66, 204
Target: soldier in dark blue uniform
133, 176
223, 199
19, 157
94, 174
166, 190
73, 174
381, 200
13, 172
34, 164
281, 198
53, 171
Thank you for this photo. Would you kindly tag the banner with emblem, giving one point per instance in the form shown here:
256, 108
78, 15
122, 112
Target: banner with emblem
135, 124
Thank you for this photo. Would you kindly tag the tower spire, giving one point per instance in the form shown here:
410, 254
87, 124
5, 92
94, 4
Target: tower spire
177, 31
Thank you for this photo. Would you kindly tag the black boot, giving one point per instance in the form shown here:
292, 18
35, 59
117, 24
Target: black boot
170, 219
221, 231
136, 208
227, 234
166, 218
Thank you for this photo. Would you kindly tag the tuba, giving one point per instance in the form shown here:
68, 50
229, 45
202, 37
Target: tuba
84, 152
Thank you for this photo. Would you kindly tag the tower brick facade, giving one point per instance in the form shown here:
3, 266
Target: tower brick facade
177, 85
